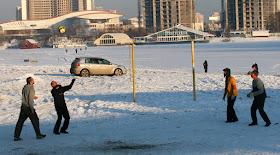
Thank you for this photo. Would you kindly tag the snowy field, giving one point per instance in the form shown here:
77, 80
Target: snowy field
164, 119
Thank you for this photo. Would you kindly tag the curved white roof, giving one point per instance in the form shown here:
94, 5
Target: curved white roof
120, 38
47, 23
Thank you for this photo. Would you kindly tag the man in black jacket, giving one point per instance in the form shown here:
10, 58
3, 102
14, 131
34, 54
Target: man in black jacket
60, 106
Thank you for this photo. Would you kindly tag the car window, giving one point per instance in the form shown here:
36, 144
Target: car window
103, 61
87, 61
92, 61
95, 61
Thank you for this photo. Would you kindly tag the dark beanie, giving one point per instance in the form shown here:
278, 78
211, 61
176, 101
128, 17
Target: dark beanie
255, 72
227, 70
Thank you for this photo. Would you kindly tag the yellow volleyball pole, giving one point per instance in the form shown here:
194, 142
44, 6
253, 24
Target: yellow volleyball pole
129, 64
193, 69
133, 68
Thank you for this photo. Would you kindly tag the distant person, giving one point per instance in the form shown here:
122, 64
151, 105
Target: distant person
259, 95
231, 93
28, 111
205, 65
255, 67
76, 51
60, 106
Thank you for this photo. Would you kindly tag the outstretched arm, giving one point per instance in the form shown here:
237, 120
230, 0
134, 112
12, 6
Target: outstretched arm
66, 88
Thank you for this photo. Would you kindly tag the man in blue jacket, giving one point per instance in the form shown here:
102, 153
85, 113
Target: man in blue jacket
60, 106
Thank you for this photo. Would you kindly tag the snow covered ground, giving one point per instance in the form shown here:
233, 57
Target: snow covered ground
164, 119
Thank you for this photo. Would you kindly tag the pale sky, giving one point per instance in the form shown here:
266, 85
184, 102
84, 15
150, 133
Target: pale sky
127, 7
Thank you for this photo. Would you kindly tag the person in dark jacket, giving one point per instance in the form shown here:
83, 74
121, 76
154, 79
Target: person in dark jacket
255, 67
60, 106
259, 95
28, 111
205, 65
231, 93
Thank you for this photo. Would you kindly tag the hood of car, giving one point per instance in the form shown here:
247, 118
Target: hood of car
118, 65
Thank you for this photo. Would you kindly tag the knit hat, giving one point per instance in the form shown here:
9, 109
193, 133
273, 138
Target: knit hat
227, 72
255, 72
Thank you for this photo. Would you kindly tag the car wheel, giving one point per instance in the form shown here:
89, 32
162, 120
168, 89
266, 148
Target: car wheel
118, 72
84, 73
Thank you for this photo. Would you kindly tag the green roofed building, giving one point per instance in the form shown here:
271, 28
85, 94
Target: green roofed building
174, 35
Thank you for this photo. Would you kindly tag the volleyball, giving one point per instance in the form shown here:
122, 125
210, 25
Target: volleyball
61, 29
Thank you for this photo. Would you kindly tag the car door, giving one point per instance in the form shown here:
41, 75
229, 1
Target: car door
106, 67
93, 65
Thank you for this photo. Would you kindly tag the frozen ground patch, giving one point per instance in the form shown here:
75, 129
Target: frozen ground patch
164, 119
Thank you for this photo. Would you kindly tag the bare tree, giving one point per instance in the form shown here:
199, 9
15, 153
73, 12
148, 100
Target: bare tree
1, 38
274, 25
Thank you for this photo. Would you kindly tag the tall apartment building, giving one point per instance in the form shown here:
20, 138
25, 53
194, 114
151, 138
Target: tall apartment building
18, 13
199, 18
44, 9
199, 21
163, 14
250, 14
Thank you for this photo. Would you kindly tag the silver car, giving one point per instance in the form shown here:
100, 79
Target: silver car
86, 66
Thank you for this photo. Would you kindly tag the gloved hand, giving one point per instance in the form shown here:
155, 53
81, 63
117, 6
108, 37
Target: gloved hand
224, 98
73, 80
250, 95
232, 97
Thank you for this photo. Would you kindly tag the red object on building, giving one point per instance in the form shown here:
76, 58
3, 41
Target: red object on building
29, 44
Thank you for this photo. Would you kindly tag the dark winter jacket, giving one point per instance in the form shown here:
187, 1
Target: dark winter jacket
58, 94
205, 65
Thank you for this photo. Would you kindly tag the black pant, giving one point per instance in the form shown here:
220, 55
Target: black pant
258, 103
61, 111
25, 112
205, 69
231, 116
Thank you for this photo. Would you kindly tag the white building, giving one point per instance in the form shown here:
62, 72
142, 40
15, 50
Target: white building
91, 19
132, 23
215, 24
199, 21
215, 17
113, 39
